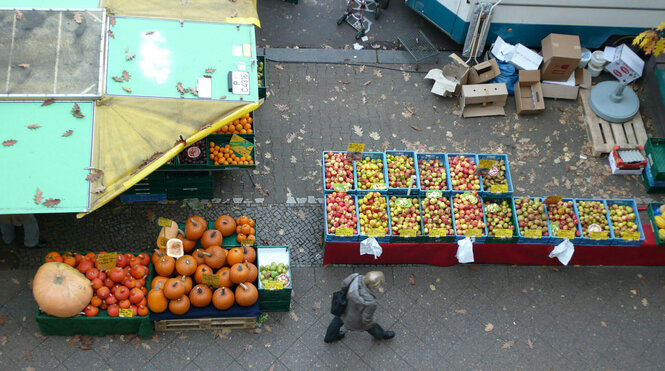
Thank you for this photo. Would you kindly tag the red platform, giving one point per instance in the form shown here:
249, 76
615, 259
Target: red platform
443, 254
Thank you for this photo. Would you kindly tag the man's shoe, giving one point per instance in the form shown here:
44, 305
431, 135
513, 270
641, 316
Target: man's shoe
40, 245
388, 335
340, 335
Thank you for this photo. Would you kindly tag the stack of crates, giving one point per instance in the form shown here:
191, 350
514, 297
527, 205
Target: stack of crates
150, 188
274, 300
191, 184
653, 175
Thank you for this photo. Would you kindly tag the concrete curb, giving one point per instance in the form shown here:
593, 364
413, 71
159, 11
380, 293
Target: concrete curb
289, 55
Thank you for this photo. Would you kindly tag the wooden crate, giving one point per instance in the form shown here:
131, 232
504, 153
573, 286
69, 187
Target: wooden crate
205, 324
604, 135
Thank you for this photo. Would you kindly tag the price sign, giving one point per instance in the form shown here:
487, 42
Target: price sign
533, 233
553, 199
499, 188
341, 187
106, 261
239, 82
633, 236
241, 146
406, 232
355, 151
595, 235
125, 313
433, 194
403, 202
438, 232
247, 242
376, 232
273, 285
475, 232
210, 279
344, 232
485, 164
564, 233
164, 222
379, 186
503, 233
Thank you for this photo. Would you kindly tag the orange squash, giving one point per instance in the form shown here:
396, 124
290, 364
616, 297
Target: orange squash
223, 298
224, 277
242, 220
166, 233
194, 228
187, 245
246, 229
239, 273
158, 282
61, 290
157, 255
200, 296
200, 271
248, 254
234, 256
226, 225
253, 271
186, 265
215, 256
157, 302
246, 294
187, 281
211, 237
180, 305
174, 288
165, 266
199, 256
241, 237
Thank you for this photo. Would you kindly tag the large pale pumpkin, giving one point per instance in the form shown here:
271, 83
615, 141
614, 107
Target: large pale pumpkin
61, 290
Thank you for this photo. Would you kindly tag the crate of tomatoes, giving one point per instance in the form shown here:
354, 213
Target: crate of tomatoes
93, 294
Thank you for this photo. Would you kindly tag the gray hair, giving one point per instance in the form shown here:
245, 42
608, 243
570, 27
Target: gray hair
374, 280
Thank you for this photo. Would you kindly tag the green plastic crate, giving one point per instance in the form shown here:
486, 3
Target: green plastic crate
653, 210
227, 242
274, 300
189, 185
263, 80
218, 139
493, 239
655, 151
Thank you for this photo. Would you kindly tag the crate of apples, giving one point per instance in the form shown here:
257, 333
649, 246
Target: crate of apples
500, 218
437, 217
371, 173
625, 223
594, 219
401, 170
373, 213
337, 171
463, 175
563, 216
405, 216
433, 172
468, 211
497, 175
340, 212
532, 216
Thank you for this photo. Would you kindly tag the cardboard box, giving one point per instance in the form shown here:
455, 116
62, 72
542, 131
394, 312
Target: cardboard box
483, 100
458, 70
529, 93
561, 55
483, 72
568, 89
525, 58
624, 64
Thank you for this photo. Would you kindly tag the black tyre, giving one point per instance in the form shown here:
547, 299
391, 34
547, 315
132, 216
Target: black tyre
377, 12
360, 34
341, 19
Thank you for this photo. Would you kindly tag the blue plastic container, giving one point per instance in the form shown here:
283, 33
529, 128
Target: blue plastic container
586, 241
384, 239
618, 240
429, 239
416, 185
433, 156
351, 190
650, 184
146, 197
461, 237
556, 240
544, 240
372, 155
419, 235
472, 156
488, 191
332, 237
494, 239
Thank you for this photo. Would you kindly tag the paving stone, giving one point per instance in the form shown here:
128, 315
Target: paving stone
298, 357
214, 356
85, 360
179, 354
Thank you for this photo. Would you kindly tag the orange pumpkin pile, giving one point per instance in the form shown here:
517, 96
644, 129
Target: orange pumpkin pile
246, 234
121, 287
180, 282
225, 156
242, 125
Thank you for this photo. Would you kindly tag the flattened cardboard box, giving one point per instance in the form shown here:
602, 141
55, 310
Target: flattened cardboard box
582, 79
561, 55
484, 71
483, 100
458, 69
529, 93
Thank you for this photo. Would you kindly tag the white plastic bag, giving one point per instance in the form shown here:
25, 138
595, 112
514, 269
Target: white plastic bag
371, 246
563, 251
465, 250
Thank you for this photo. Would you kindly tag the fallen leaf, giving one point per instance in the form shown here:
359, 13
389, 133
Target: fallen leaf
98, 189
602, 323
412, 279
432, 287
51, 202
529, 343
508, 344
645, 302
48, 102
78, 18
181, 88
460, 311
15, 281
19, 15
94, 175
129, 57
193, 91
111, 35
9, 143
474, 267
149, 33
634, 292
68, 133
126, 89
377, 73
293, 316
316, 306
362, 68
78, 115
643, 283
3, 340
248, 347
27, 356
374, 135
112, 20
282, 107
489, 327
358, 130
367, 83
267, 328
145, 346
3, 319
117, 79
416, 127
125, 75
24, 65
76, 108
267, 345
272, 367
38, 197
279, 66
33, 126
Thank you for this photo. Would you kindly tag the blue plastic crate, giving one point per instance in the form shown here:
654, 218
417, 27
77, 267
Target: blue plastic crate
448, 238
474, 157
497, 157
403, 191
384, 239
650, 184
494, 239
372, 155
433, 156
147, 197
332, 237
396, 237
556, 240
461, 237
586, 241
351, 190
618, 241
544, 240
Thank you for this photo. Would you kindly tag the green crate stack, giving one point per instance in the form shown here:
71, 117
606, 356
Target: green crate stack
220, 140
654, 210
228, 242
655, 151
494, 239
274, 300
180, 186
153, 183
262, 68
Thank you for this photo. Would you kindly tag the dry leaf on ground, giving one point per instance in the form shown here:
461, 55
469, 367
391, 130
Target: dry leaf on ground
112, 20
94, 175
529, 343
34, 126
3, 340
316, 306
19, 15
125, 75
293, 316
644, 302
508, 344
129, 90
460, 311
279, 66
416, 127
48, 102
3, 319
98, 189
432, 287
78, 18
24, 65
412, 279
602, 323
27, 356
131, 56
9, 143
489, 327
358, 130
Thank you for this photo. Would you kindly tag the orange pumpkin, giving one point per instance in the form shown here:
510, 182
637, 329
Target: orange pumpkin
242, 220
157, 302
234, 256
157, 255
187, 245
200, 271
186, 265
248, 254
246, 229
187, 281
166, 233
158, 282
241, 237
215, 256
223, 298
226, 225
239, 273
174, 288
246, 294
194, 228
253, 271
211, 237
224, 277
53, 257
61, 290
165, 266
180, 305
199, 256
250, 221
69, 259
200, 296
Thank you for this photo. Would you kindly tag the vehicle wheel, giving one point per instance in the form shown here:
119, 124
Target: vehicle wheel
377, 12
360, 34
384, 3
341, 19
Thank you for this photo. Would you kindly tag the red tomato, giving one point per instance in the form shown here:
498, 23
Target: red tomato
142, 310
136, 295
145, 258
92, 273
116, 274
130, 282
134, 310
97, 283
111, 300
103, 292
139, 271
126, 270
91, 311
84, 266
108, 282
121, 261
113, 310
122, 293
124, 304
102, 275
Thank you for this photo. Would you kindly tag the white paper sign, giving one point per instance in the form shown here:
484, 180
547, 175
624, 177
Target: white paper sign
204, 87
240, 82
563, 251
237, 50
465, 250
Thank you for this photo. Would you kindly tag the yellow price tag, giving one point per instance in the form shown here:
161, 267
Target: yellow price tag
485, 164
499, 188
438, 232
273, 285
241, 146
376, 232
553, 199
210, 279
533, 233
106, 261
475, 232
124, 312
344, 232
601, 235
406, 232
564, 233
164, 222
634, 236
503, 233
356, 147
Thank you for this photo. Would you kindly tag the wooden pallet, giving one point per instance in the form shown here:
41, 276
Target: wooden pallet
604, 135
205, 324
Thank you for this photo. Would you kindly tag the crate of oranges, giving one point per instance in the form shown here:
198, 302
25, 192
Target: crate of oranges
243, 125
221, 153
